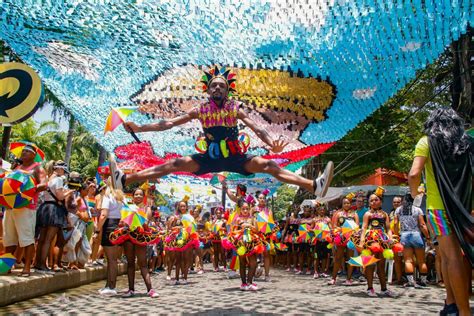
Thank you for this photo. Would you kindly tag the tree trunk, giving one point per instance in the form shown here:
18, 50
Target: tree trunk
463, 99
7, 129
70, 134
102, 155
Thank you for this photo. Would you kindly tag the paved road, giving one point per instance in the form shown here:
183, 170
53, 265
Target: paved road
214, 294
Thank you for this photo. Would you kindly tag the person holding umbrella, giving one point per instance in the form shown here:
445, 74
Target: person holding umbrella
19, 223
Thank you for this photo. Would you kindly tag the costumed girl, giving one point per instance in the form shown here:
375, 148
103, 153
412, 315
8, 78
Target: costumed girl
290, 234
376, 236
217, 232
322, 252
203, 230
135, 237
246, 241
303, 240
262, 210
346, 217
180, 241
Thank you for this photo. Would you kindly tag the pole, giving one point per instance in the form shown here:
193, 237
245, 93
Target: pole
223, 197
7, 129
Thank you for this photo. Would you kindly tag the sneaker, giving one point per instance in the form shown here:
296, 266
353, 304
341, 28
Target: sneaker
244, 287
216, 269
422, 284
321, 184
298, 272
448, 310
288, 270
316, 275
200, 272
100, 262
388, 293
45, 271
267, 278
129, 293
184, 282
324, 275
108, 292
362, 279
253, 287
232, 274
348, 283
176, 282
168, 278
225, 269
151, 293
332, 282
371, 293
117, 175
410, 285
308, 272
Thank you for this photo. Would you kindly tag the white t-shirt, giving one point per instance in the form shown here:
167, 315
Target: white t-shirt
114, 206
54, 185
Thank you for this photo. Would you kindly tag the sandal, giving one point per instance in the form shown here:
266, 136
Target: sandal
24, 274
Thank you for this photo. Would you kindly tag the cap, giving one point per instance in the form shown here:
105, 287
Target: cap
61, 165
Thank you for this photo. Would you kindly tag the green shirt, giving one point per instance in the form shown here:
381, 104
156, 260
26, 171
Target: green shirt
433, 198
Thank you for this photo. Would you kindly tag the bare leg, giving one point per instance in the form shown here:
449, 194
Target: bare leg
112, 266
398, 262
453, 273
337, 261
29, 253
243, 269
266, 263
49, 234
262, 165
129, 251
178, 257
349, 254
184, 164
140, 252
381, 272
252, 268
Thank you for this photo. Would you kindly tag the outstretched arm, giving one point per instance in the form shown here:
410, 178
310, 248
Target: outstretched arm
229, 193
276, 145
161, 125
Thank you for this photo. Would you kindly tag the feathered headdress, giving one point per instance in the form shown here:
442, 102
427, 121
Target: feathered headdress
223, 73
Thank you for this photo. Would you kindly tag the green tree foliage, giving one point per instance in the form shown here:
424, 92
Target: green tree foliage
388, 137
283, 200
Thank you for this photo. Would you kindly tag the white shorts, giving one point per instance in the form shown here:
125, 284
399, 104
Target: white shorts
19, 227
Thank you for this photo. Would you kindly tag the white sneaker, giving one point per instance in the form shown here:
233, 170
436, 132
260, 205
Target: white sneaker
232, 274
200, 272
321, 183
253, 287
168, 278
184, 282
108, 292
116, 174
244, 287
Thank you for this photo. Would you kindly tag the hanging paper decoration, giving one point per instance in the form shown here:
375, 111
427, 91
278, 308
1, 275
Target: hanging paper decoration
308, 71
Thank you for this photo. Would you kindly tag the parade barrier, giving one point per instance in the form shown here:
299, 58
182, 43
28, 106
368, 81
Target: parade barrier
14, 289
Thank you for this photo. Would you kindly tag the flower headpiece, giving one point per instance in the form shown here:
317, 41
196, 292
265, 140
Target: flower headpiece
223, 73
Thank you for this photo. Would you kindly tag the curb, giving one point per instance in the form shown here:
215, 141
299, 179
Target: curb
14, 289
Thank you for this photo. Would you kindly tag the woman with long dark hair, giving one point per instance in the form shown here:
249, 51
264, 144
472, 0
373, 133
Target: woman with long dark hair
445, 154
411, 225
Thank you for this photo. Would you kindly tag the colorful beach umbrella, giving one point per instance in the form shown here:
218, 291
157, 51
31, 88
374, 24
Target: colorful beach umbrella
321, 230
189, 223
133, 216
17, 147
281, 246
349, 226
17, 189
117, 116
362, 261
265, 223
7, 261
304, 233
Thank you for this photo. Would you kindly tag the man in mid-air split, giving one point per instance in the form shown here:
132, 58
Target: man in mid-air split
223, 149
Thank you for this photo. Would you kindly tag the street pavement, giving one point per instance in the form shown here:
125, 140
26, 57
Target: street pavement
214, 294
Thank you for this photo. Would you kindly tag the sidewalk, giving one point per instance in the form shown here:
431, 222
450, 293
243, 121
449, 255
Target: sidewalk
14, 289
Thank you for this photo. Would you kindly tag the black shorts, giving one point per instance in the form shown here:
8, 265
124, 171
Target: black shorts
303, 247
322, 250
109, 226
233, 163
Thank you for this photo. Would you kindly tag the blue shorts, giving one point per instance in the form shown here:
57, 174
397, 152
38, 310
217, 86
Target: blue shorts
412, 240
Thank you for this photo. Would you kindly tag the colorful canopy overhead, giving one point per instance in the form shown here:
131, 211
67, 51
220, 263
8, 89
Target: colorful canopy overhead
308, 70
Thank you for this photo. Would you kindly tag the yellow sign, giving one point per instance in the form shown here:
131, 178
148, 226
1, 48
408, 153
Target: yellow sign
21, 92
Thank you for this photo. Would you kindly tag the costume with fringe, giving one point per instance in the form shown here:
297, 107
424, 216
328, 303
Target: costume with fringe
180, 238
245, 241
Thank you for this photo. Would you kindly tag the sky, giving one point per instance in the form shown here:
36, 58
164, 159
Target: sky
44, 114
